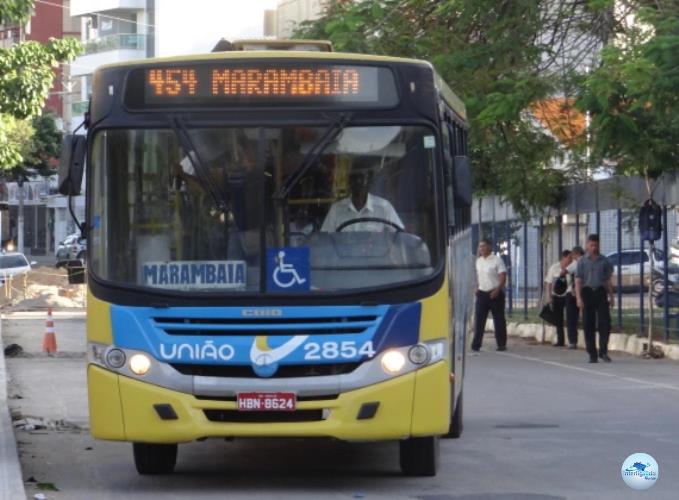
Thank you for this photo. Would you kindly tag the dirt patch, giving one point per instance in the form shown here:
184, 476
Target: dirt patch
43, 287
48, 275
40, 296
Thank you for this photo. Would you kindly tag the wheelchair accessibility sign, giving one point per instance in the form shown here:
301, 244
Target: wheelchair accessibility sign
287, 269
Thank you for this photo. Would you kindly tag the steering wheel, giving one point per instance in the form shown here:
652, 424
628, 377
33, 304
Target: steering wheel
368, 219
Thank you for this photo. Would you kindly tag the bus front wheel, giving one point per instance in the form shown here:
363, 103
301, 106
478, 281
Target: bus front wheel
419, 456
154, 458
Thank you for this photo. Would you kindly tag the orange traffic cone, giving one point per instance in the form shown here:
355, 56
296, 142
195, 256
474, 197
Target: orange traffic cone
49, 341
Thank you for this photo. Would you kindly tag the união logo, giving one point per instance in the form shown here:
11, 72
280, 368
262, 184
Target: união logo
640, 471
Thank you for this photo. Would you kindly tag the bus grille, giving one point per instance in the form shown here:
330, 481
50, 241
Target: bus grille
264, 417
265, 326
284, 371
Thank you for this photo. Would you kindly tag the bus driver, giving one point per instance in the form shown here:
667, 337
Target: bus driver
362, 205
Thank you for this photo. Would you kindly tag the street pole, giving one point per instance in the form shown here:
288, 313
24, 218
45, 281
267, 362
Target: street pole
650, 298
20, 222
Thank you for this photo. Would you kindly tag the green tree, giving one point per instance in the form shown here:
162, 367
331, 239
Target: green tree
45, 146
632, 96
26, 75
15, 11
499, 56
16, 138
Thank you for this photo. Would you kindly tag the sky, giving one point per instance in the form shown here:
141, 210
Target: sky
195, 26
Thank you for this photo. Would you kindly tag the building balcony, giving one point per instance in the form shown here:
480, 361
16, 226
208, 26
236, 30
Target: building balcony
85, 7
124, 41
79, 108
109, 50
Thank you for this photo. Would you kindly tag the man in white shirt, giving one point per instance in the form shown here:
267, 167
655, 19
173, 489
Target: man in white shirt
362, 205
556, 280
491, 273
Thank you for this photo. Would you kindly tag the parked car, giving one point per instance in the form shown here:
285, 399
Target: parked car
79, 250
13, 264
64, 248
72, 247
630, 267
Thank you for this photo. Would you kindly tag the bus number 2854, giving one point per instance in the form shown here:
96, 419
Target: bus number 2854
346, 349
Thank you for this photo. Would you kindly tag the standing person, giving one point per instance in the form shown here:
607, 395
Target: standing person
490, 297
556, 280
572, 311
592, 283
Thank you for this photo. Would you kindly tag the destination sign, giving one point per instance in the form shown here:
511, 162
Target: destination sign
257, 84
229, 274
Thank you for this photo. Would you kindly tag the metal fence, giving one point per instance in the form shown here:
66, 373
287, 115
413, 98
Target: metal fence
530, 246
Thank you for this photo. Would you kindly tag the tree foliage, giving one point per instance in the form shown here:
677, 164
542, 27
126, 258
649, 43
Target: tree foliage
27, 73
26, 76
500, 56
15, 140
15, 11
633, 95
45, 145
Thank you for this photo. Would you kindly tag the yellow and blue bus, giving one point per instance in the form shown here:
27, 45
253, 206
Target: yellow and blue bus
278, 246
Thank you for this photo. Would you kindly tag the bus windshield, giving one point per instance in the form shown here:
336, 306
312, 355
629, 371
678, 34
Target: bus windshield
236, 210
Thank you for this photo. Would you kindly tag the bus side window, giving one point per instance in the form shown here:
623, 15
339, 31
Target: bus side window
448, 152
461, 172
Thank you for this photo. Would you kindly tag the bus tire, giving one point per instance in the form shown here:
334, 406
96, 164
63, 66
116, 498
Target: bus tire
456, 425
419, 456
151, 459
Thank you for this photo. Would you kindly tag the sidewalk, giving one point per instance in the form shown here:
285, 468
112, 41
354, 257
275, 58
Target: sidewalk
11, 479
620, 342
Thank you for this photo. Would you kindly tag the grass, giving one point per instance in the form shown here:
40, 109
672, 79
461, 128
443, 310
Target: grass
630, 322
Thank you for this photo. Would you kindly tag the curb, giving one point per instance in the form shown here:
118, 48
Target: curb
11, 479
620, 342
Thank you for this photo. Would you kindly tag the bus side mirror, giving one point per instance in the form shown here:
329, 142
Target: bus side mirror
462, 182
72, 164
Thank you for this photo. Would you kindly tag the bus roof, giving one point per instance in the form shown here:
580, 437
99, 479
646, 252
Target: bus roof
251, 44
448, 95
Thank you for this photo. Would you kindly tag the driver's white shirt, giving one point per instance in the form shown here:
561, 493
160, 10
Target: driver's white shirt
343, 210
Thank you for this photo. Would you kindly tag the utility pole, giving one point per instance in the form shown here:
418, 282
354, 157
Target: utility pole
20, 218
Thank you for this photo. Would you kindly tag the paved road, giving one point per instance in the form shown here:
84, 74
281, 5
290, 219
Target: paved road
540, 425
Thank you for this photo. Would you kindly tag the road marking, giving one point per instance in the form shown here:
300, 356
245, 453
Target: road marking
593, 372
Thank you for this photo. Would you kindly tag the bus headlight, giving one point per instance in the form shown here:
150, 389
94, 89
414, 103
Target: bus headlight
140, 364
393, 362
115, 358
419, 354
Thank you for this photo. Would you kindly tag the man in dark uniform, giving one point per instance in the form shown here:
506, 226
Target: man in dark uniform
592, 284
572, 311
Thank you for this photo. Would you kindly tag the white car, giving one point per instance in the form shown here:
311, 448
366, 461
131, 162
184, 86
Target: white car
73, 247
631, 265
13, 264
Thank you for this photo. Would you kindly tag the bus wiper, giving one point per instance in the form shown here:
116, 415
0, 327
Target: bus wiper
206, 180
329, 135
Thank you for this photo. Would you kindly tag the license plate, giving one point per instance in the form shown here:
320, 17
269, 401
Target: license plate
267, 401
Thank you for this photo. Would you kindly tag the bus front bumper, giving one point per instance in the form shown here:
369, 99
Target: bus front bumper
414, 404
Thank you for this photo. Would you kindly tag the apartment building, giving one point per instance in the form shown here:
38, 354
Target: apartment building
112, 31
289, 14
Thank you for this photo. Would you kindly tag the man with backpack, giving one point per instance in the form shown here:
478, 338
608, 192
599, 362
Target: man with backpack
556, 280
572, 311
